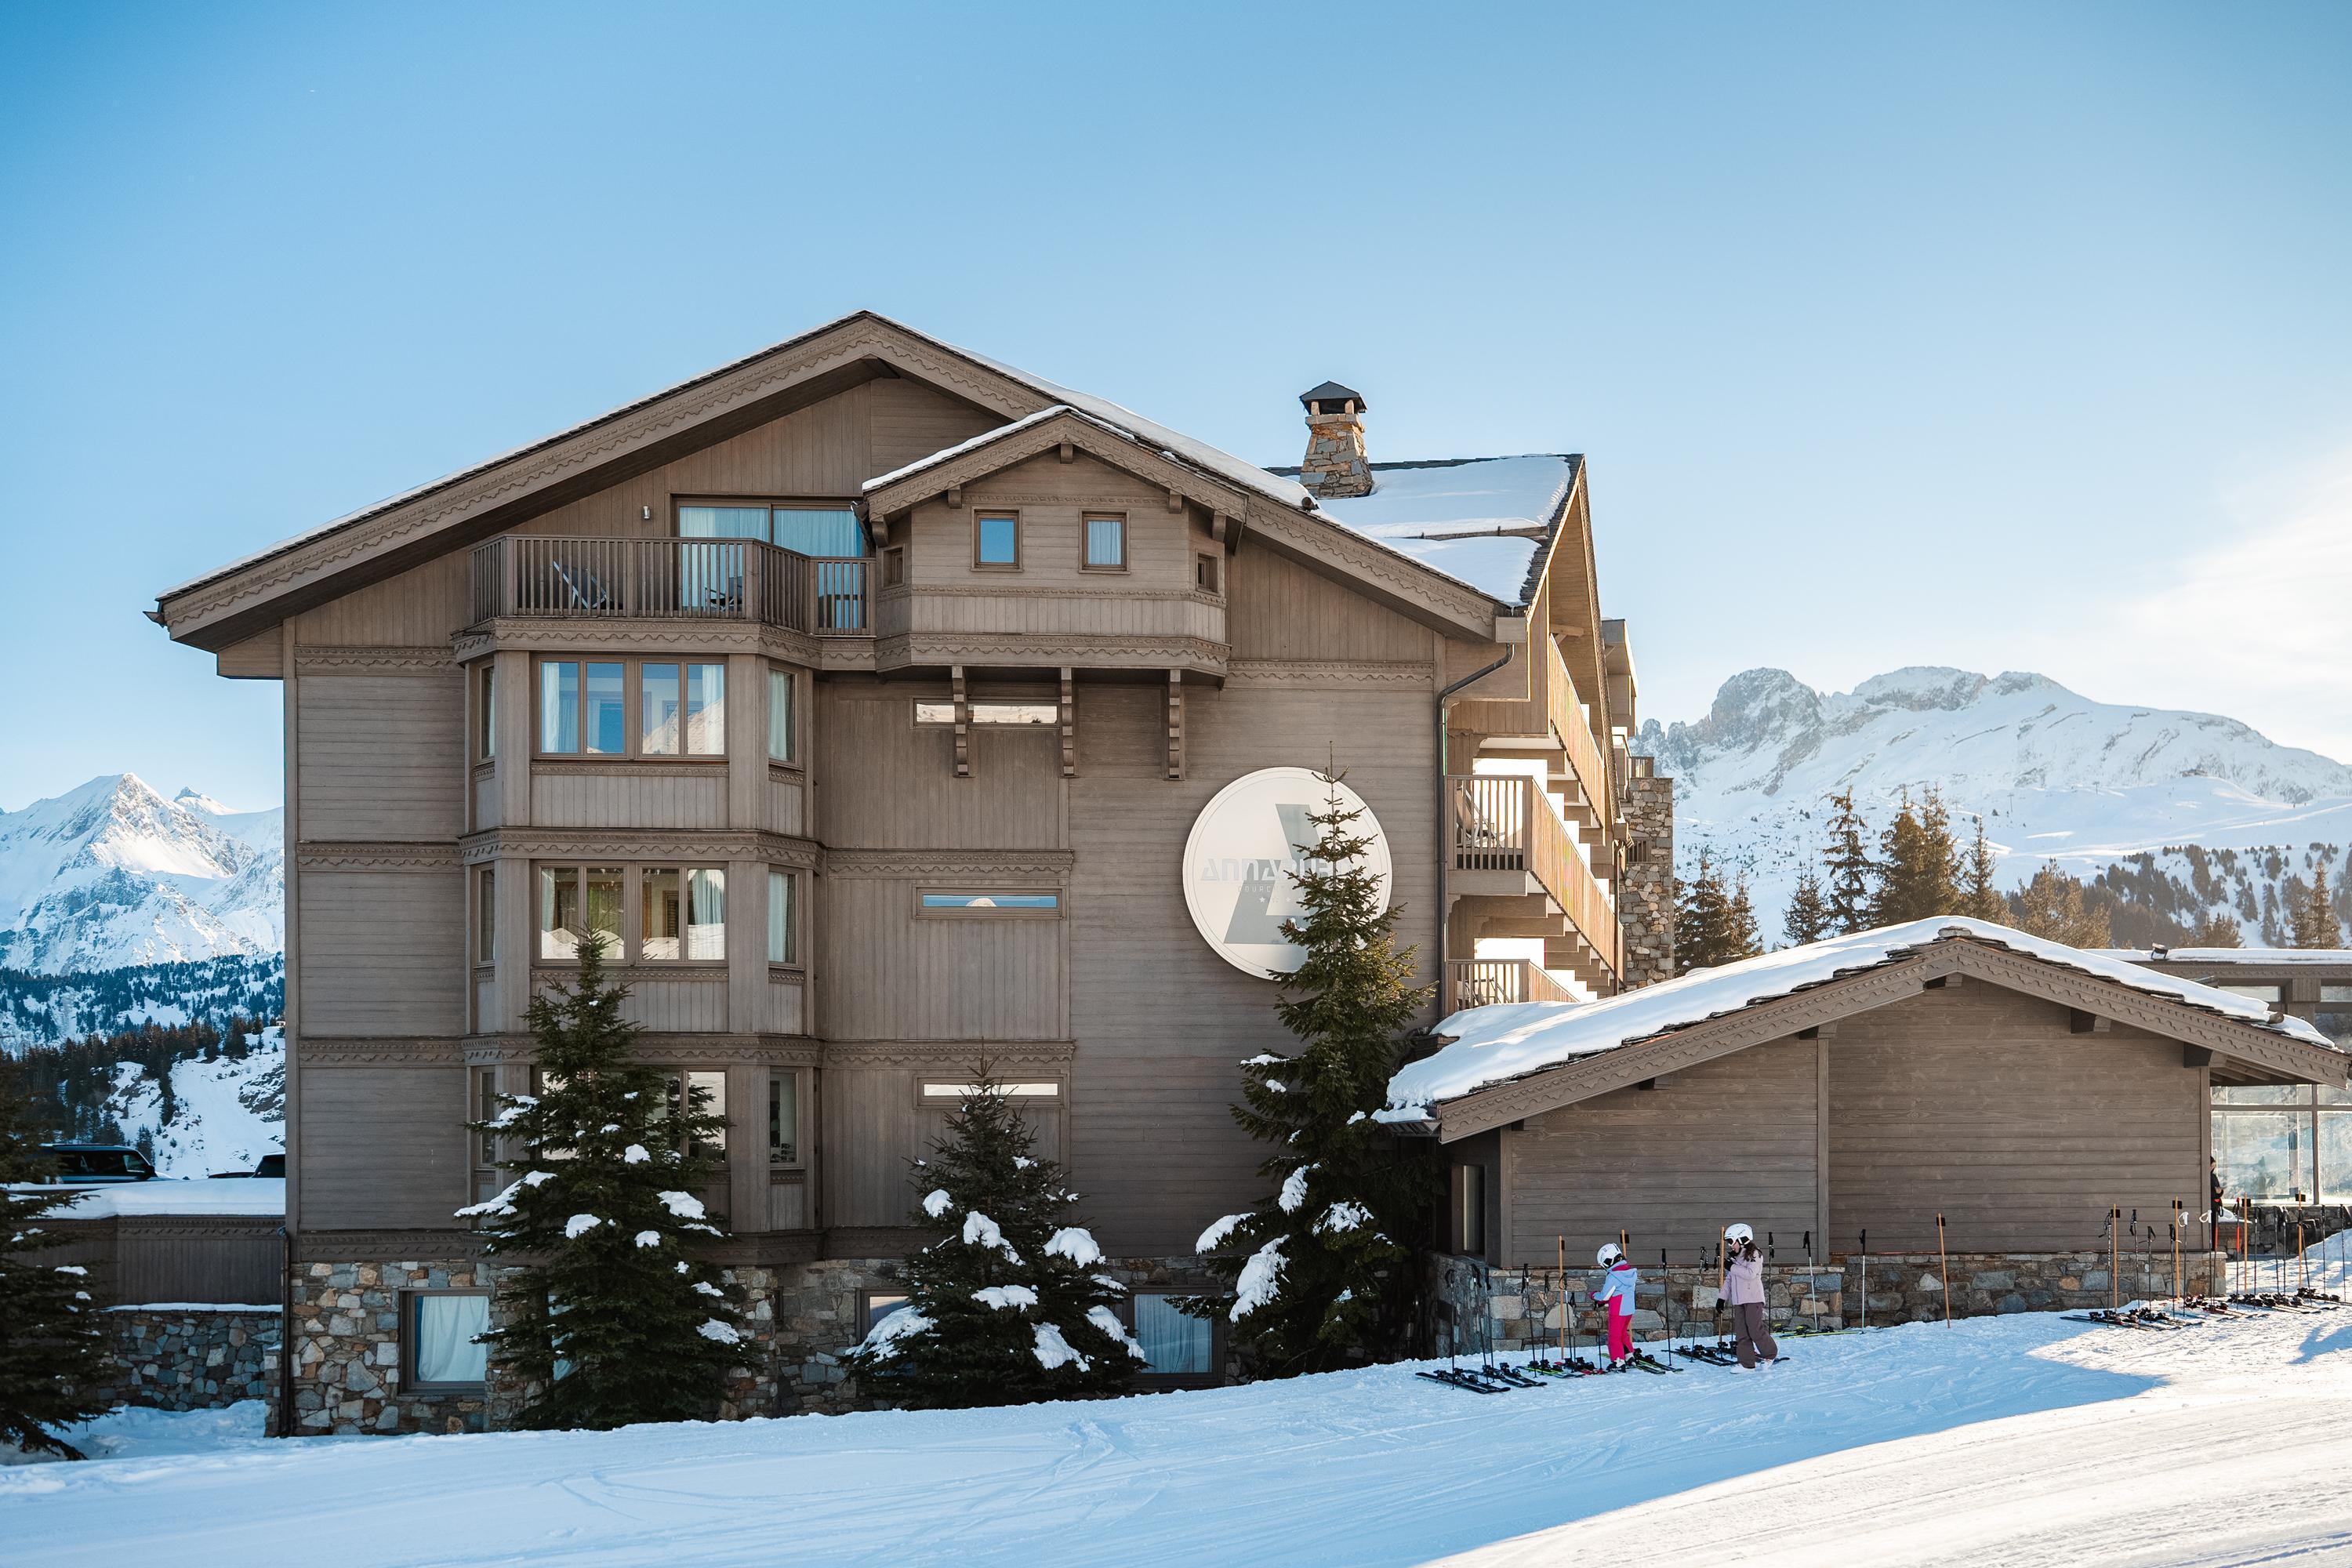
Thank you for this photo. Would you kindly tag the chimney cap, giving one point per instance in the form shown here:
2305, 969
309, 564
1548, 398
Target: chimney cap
1331, 392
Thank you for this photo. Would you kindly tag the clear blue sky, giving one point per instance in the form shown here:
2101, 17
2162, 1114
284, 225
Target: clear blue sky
1997, 336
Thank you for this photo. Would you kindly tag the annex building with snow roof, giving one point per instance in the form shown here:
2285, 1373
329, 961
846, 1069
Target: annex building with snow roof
891, 708
2021, 1089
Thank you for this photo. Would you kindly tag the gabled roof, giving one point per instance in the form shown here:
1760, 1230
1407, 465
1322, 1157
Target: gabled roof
1486, 521
1712, 1012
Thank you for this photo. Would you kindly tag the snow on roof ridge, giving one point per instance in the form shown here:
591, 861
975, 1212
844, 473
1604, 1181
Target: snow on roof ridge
2228, 955
1496, 1044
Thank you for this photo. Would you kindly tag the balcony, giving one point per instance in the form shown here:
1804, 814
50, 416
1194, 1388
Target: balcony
1507, 841
543, 577
1488, 982
1564, 712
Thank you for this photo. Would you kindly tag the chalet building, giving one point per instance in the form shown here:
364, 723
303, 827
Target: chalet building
892, 708
2021, 1090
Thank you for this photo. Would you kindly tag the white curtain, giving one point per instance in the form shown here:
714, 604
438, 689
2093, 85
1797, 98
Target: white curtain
445, 1327
706, 914
1172, 1341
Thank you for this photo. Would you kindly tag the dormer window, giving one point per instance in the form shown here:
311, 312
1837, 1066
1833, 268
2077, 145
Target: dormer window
996, 540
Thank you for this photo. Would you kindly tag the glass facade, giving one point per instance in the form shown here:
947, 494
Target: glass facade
2285, 1143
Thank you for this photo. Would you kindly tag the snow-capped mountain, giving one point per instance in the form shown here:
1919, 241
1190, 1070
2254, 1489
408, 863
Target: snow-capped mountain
2056, 777
112, 874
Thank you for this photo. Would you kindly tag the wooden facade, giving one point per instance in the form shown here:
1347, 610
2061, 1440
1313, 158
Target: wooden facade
428, 809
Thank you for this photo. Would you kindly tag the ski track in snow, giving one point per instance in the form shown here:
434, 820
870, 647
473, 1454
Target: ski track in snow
2012, 1440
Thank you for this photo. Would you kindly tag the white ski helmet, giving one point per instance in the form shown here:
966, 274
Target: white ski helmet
1739, 1232
1609, 1255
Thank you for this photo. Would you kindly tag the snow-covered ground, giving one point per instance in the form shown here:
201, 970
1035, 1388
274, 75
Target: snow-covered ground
2022, 1439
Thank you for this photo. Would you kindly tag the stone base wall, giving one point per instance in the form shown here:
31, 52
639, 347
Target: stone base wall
347, 1350
1526, 1309
192, 1356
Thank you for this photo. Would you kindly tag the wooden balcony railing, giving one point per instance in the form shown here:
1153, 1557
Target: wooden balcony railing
1564, 710
1486, 982
1504, 822
542, 577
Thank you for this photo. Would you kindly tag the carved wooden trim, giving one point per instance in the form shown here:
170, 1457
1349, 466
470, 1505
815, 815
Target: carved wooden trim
312, 1050
1078, 649
208, 1227
1009, 591
1340, 673
448, 501
326, 856
634, 767
1021, 1055
374, 661
995, 453
463, 1247
668, 1048
596, 634
903, 864
876, 1240
636, 843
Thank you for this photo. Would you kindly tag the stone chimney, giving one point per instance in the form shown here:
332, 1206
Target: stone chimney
1646, 893
1336, 467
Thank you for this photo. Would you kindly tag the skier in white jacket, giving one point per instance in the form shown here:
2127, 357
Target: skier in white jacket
1616, 1293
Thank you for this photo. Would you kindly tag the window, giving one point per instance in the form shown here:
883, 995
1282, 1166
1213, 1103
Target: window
996, 540
894, 566
584, 709
880, 1304
574, 900
1008, 903
1014, 713
485, 915
661, 915
783, 1118
486, 1106
1105, 544
2283, 1142
2332, 993
706, 914
1204, 573
783, 740
485, 709
441, 1329
1174, 1345
959, 1092
1470, 1210
705, 1090
822, 529
784, 917
2259, 993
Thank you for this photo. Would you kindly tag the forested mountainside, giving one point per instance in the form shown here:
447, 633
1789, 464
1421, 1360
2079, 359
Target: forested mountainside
37, 1009
197, 1100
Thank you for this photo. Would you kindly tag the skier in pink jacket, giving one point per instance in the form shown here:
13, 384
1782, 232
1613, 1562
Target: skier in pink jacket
1743, 1292
1617, 1291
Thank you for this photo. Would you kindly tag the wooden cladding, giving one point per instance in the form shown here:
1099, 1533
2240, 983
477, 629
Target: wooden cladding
1504, 823
536, 576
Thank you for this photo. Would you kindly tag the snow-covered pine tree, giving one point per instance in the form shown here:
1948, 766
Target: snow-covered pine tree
1005, 1306
2315, 924
1847, 868
1979, 897
609, 1316
1321, 1269
52, 1351
1808, 915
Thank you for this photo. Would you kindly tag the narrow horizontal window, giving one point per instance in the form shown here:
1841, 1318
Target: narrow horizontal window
991, 900
2258, 993
1009, 1090
2330, 993
1036, 714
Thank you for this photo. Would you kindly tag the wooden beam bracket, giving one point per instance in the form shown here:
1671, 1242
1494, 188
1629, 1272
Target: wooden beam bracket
1175, 723
1069, 718
963, 723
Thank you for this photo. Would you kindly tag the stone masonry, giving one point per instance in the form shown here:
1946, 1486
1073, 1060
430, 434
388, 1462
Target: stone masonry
192, 1356
1645, 895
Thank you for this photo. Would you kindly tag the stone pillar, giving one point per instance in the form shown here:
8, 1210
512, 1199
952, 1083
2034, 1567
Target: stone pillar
1645, 897
1336, 467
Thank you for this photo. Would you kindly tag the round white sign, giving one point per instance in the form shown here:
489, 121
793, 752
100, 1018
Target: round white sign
1242, 849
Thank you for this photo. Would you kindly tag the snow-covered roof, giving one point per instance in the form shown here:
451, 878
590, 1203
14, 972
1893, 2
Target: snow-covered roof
2230, 957
1497, 1043
219, 1194
1483, 521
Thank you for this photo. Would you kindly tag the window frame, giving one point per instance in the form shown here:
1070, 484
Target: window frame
790, 757
1047, 1091
632, 933
865, 1298
1148, 1381
926, 912
485, 713
632, 707
485, 915
799, 1161
1208, 573
773, 505
1466, 1223
411, 1382
1087, 521
793, 958
975, 713
979, 517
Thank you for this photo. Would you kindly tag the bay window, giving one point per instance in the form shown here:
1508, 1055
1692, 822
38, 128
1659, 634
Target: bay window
680, 912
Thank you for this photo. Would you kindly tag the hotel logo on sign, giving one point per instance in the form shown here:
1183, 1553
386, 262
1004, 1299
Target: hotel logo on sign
1243, 853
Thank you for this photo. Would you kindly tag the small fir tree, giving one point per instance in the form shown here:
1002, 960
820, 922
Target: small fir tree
1002, 1306
1979, 897
1740, 938
609, 1317
2052, 906
52, 1349
1848, 872
1318, 1271
2315, 924
2217, 929
1808, 916
1703, 920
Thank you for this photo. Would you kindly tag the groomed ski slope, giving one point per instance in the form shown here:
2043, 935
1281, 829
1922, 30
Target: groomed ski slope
2022, 1439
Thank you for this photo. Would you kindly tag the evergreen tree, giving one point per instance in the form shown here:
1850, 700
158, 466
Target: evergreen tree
2051, 906
2315, 924
1979, 897
608, 1317
1918, 867
52, 1349
2217, 930
1002, 1307
1740, 940
1321, 1270
1703, 920
1808, 917
1848, 872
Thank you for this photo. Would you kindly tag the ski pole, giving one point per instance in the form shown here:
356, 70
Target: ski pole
1865, 1276
1566, 1304
2114, 1257
1943, 1262
2176, 1248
